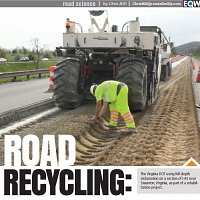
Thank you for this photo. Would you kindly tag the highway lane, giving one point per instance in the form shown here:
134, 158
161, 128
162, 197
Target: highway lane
17, 94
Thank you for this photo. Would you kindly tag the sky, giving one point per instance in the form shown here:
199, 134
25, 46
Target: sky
18, 26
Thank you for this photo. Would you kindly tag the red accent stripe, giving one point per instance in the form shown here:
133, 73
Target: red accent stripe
126, 115
128, 118
114, 119
114, 113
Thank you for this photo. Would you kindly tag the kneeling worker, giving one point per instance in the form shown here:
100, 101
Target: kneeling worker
115, 94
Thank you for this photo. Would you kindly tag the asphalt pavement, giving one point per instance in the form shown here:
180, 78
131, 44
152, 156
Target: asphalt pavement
17, 94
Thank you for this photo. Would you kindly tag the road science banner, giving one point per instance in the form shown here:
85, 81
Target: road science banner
92, 3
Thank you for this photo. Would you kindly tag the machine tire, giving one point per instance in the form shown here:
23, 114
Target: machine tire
164, 73
133, 72
170, 69
66, 78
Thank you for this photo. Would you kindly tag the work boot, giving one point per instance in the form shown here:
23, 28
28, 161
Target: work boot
112, 127
127, 131
108, 128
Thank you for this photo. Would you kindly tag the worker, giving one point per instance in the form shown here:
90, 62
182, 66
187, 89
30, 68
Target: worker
114, 94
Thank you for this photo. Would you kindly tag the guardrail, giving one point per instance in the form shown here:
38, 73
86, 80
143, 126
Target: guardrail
26, 61
17, 61
27, 73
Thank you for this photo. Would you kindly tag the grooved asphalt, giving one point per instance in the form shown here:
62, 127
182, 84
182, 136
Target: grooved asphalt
17, 94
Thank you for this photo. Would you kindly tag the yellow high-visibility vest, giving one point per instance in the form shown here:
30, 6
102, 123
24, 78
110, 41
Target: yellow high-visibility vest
107, 91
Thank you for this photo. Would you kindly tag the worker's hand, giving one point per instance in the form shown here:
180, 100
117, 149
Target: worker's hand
100, 119
94, 118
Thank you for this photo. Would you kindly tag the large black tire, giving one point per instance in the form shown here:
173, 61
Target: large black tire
133, 72
170, 69
164, 72
66, 90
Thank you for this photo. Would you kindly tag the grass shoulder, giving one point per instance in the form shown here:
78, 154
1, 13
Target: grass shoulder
22, 66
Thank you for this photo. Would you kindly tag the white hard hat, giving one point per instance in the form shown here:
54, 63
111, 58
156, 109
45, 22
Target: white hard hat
92, 88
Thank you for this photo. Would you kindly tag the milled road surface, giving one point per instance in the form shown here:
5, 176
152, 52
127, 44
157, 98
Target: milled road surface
166, 134
17, 94
196, 87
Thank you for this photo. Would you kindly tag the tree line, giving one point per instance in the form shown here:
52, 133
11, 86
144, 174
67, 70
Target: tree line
35, 54
18, 52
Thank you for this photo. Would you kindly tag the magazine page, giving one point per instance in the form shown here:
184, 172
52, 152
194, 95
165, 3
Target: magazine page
99, 99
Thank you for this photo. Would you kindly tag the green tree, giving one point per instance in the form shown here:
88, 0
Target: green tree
31, 56
2, 53
15, 51
54, 53
17, 57
38, 49
47, 54
25, 51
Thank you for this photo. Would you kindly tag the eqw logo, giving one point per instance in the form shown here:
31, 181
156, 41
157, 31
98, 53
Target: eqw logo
191, 4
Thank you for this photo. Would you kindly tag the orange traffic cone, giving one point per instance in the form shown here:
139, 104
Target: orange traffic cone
198, 76
50, 86
193, 66
51, 72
